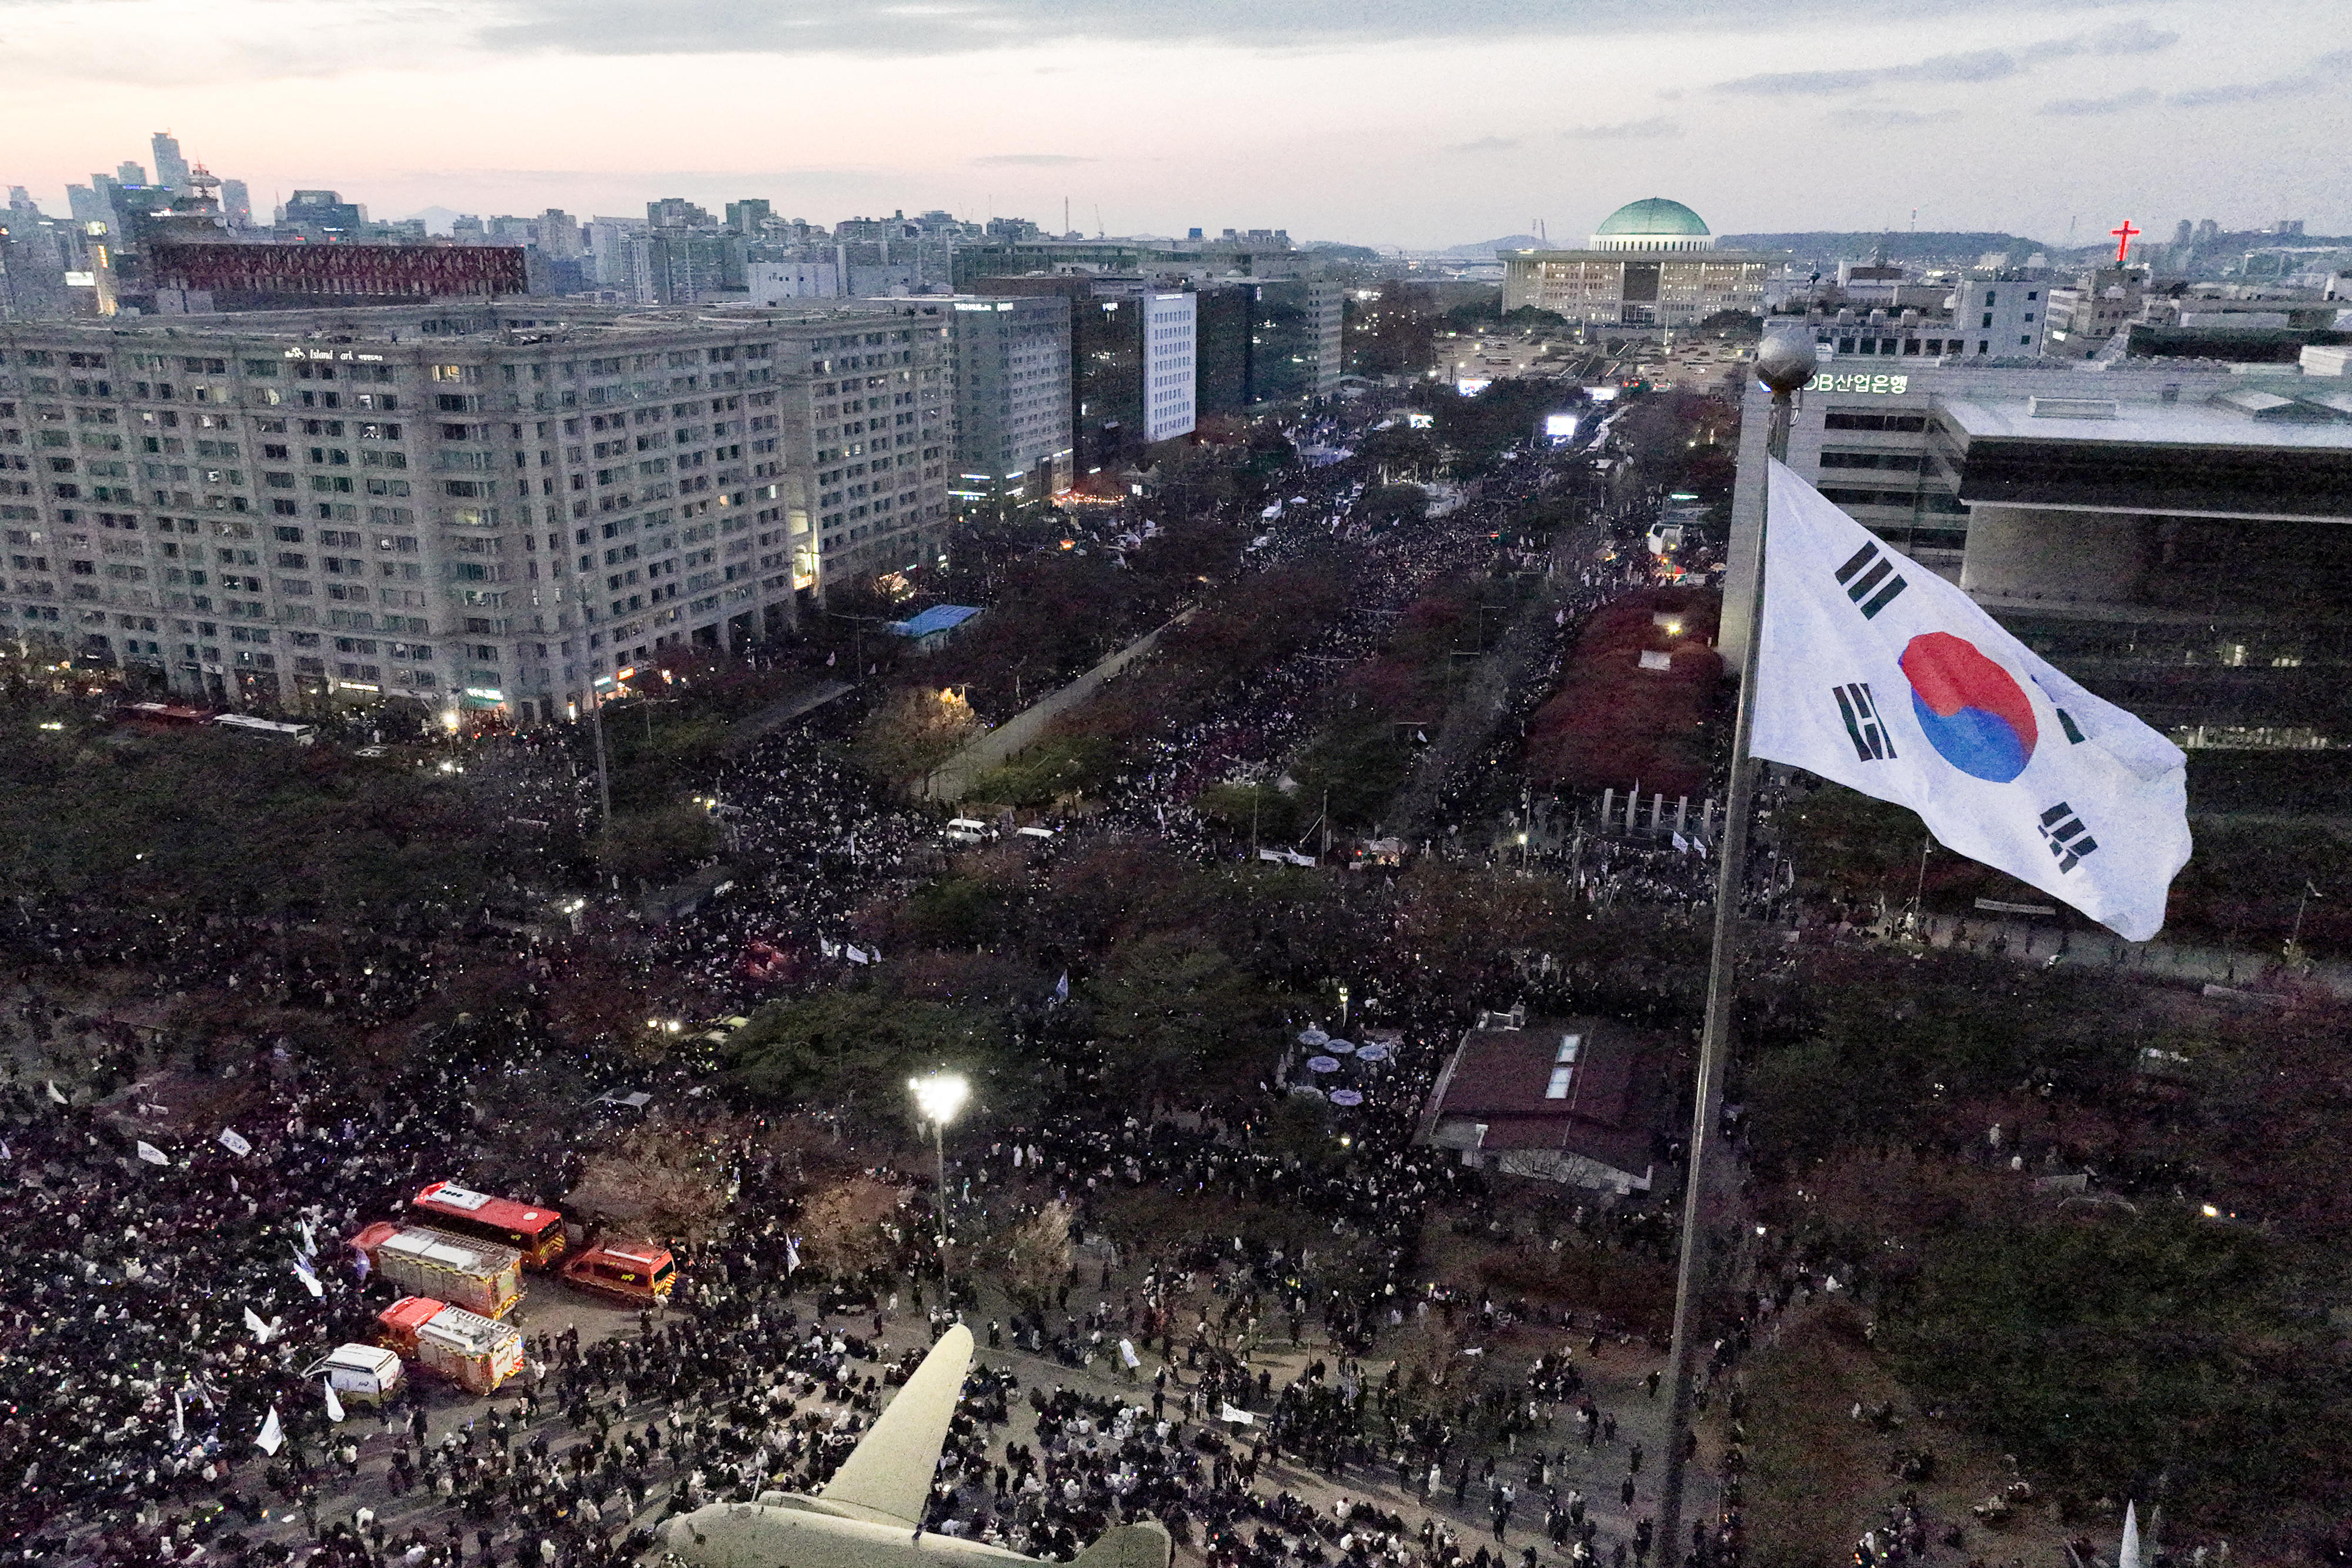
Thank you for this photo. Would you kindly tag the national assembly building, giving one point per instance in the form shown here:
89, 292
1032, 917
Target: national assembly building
1653, 266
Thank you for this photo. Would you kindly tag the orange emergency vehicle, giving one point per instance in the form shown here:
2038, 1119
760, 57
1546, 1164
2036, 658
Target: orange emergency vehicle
535, 1231
475, 1353
634, 1270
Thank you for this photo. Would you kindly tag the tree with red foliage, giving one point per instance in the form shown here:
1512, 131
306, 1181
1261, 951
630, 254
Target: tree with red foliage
1614, 722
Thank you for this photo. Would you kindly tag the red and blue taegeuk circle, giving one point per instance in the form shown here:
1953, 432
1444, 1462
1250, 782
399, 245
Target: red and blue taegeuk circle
1976, 717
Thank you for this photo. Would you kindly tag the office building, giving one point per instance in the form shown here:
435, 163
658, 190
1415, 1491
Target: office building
2006, 314
1130, 345
320, 216
771, 283
1652, 264
2085, 315
1294, 339
695, 267
2170, 534
465, 505
1011, 359
1007, 249
1169, 392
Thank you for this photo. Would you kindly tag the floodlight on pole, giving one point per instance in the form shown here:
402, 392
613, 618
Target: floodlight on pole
938, 1097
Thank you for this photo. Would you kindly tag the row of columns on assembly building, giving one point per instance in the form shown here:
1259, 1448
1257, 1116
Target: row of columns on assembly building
1631, 811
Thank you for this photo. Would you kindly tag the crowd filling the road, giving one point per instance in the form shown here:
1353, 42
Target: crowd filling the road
1274, 1406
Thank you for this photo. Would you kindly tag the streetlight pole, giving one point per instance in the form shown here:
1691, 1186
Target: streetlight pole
938, 1098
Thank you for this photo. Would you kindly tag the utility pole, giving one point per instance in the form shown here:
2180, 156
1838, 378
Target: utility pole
603, 770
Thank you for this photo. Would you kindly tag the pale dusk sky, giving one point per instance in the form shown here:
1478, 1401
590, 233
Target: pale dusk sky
1421, 124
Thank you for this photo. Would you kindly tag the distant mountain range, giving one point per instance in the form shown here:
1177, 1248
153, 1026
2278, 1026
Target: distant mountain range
1487, 247
436, 219
1927, 245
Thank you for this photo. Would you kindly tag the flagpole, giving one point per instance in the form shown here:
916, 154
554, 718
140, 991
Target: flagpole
1783, 363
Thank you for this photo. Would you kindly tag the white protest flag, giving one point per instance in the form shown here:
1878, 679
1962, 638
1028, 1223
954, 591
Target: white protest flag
56, 1093
273, 1435
1236, 1415
179, 1417
235, 1143
791, 1256
855, 954
154, 1156
334, 1406
309, 1281
1880, 676
1127, 1353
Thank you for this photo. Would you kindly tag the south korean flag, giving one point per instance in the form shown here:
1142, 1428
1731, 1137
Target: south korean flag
1879, 674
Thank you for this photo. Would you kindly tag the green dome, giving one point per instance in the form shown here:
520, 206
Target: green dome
1652, 215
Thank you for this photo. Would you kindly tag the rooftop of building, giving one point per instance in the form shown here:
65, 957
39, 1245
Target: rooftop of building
510, 321
1502, 1079
1654, 218
2243, 411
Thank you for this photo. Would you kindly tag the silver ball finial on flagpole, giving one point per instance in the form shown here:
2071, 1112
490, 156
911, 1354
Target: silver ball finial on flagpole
1784, 362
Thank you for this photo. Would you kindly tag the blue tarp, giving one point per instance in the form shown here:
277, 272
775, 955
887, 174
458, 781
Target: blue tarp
939, 618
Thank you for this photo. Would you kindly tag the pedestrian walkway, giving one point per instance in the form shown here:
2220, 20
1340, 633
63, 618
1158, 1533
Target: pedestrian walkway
2028, 941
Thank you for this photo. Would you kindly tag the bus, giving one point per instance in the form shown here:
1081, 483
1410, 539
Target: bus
164, 716
536, 1232
267, 728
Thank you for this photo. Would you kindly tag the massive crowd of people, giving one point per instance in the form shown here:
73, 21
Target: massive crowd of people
169, 1292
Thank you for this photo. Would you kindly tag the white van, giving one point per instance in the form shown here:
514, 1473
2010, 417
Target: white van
964, 831
363, 1372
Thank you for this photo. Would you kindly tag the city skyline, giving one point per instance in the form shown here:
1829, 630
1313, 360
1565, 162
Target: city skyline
1392, 126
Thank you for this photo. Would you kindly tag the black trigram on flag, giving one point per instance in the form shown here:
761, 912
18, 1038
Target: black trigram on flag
1863, 725
2069, 840
1870, 580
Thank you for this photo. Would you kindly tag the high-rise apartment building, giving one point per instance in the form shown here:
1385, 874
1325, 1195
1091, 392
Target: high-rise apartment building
236, 204
1012, 367
459, 505
171, 169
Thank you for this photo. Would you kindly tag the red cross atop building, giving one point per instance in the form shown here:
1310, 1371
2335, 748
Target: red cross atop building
2123, 240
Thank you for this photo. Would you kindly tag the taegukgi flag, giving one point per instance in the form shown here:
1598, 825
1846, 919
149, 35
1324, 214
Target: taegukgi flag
1883, 677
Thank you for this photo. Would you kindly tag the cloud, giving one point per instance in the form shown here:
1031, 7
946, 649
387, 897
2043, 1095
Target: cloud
1774, 84
955, 27
2325, 72
1976, 66
1485, 144
1982, 65
1029, 159
1873, 119
2091, 106
1624, 131
2134, 37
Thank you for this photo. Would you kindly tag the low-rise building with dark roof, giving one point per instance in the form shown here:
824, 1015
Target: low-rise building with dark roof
1581, 1100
